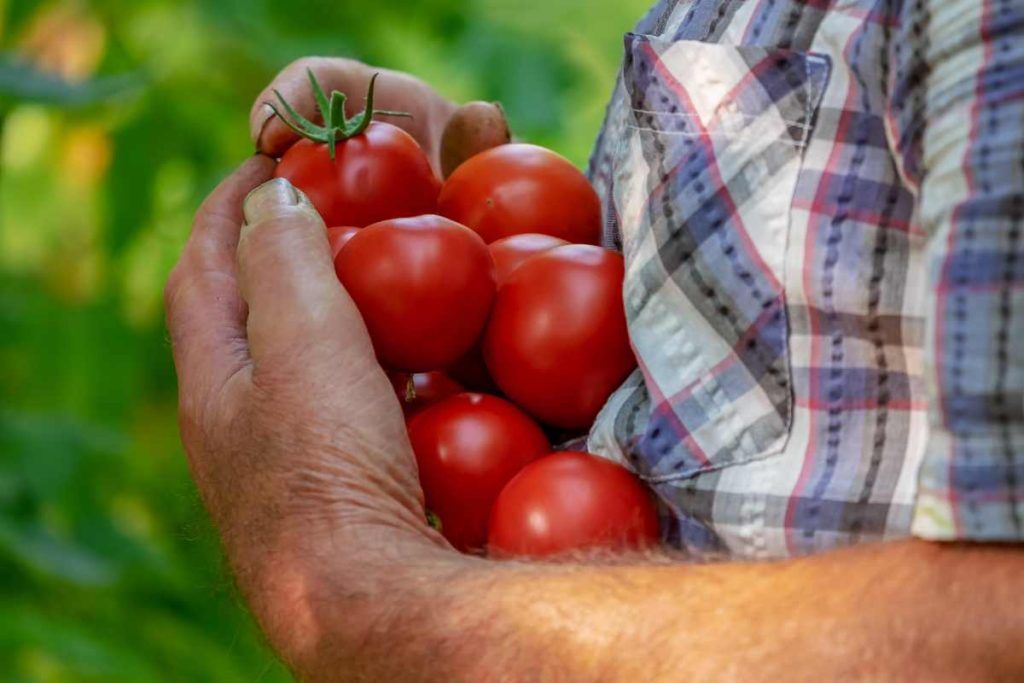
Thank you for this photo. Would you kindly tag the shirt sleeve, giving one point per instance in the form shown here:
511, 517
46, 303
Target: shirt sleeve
956, 122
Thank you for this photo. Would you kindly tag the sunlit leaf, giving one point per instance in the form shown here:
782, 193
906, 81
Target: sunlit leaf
40, 550
65, 650
21, 82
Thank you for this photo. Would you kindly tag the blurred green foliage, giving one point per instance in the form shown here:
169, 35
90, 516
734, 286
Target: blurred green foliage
109, 570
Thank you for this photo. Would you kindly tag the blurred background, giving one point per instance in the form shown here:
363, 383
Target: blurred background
116, 118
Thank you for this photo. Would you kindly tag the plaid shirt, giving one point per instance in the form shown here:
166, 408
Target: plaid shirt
820, 205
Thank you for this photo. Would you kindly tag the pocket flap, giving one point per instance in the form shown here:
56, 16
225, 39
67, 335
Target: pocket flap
703, 197
734, 93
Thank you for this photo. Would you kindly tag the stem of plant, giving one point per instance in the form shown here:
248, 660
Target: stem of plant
337, 126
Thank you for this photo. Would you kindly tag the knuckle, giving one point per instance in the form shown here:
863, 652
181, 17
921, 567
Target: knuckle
176, 280
275, 383
191, 276
323, 67
275, 236
298, 67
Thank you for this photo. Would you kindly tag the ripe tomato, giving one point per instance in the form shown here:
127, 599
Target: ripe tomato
516, 189
510, 252
424, 286
339, 237
468, 447
426, 389
471, 372
379, 174
356, 171
557, 343
572, 501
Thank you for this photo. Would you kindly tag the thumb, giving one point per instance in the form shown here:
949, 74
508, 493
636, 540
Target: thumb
297, 307
473, 128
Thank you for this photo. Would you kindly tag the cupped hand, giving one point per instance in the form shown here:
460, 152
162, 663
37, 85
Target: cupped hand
293, 432
395, 91
475, 126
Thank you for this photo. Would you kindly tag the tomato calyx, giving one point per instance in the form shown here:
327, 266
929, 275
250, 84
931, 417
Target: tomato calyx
433, 521
337, 127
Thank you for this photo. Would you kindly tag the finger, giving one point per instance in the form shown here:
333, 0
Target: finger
268, 132
205, 312
219, 218
299, 314
395, 91
473, 128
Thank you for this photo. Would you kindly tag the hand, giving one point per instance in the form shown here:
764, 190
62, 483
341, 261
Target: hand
444, 130
293, 432
298, 447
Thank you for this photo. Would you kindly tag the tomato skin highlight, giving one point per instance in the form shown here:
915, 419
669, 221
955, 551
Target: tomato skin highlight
381, 174
428, 388
566, 502
557, 342
516, 189
510, 252
338, 237
467, 448
424, 286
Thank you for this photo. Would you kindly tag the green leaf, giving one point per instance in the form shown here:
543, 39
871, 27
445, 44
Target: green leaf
39, 549
22, 82
66, 650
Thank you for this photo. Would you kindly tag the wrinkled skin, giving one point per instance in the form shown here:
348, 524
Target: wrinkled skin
395, 91
263, 336
314, 493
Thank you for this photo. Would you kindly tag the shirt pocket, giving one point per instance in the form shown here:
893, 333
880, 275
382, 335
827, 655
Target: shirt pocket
704, 184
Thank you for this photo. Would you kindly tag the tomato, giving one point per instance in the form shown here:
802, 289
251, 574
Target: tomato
510, 252
557, 343
467, 448
471, 371
339, 237
426, 389
515, 189
377, 175
356, 171
572, 501
424, 286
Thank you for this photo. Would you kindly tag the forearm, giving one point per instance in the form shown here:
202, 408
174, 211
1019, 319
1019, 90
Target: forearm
900, 609
895, 610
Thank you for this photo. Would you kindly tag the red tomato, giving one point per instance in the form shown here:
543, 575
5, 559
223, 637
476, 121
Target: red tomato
572, 501
516, 189
557, 343
427, 389
379, 174
424, 286
510, 252
472, 373
339, 237
467, 448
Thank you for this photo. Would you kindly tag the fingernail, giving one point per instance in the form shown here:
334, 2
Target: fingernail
272, 199
260, 121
